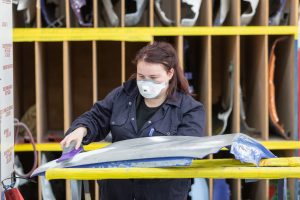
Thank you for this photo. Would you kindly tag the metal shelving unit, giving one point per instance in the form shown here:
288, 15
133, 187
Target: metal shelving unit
64, 70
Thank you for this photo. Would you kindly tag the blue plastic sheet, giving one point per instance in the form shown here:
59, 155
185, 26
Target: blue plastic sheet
248, 150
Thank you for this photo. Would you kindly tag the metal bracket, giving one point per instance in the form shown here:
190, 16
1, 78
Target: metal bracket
249, 13
222, 12
110, 13
30, 9
195, 7
162, 15
225, 115
76, 6
132, 19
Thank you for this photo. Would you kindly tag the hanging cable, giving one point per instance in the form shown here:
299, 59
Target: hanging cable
19, 125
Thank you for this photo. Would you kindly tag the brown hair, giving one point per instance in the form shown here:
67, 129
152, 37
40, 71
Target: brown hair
164, 53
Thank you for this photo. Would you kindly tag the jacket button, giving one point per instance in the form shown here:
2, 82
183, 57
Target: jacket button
149, 122
129, 103
168, 133
132, 119
112, 123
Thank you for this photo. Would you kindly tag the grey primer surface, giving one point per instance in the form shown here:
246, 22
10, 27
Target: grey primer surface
163, 151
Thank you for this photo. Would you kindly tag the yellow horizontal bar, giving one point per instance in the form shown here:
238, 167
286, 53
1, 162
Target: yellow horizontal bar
281, 145
77, 34
95, 145
206, 168
187, 172
226, 30
141, 34
270, 162
272, 145
56, 146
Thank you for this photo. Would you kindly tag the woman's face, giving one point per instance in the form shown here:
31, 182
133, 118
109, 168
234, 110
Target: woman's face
154, 72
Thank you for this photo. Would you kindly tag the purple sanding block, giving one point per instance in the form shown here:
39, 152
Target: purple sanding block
69, 152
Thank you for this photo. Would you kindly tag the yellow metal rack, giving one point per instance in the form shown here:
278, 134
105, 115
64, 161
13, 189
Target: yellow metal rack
272, 168
141, 34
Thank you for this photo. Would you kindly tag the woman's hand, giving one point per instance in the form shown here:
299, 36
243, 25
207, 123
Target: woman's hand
77, 135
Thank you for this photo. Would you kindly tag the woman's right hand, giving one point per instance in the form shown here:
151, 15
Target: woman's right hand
77, 135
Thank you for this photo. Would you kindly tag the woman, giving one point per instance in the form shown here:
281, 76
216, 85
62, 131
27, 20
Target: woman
155, 102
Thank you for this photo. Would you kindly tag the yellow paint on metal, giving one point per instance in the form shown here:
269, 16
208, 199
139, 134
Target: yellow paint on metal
187, 172
270, 162
281, 145
207, 168
56, 146
39, 147
272, 145
141, 34
281, 162
95, 145
77, 34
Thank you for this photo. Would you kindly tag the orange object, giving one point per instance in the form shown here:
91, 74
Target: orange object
274, 120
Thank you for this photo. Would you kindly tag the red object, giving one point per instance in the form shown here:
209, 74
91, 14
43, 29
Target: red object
272, 191
13, 194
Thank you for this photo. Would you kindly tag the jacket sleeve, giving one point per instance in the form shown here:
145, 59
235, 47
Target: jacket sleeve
96, 120
193, 120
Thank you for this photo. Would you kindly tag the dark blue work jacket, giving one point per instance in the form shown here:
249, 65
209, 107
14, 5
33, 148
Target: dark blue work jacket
179, 115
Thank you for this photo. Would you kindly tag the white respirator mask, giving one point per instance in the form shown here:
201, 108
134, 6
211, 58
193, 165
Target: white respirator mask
149, 89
